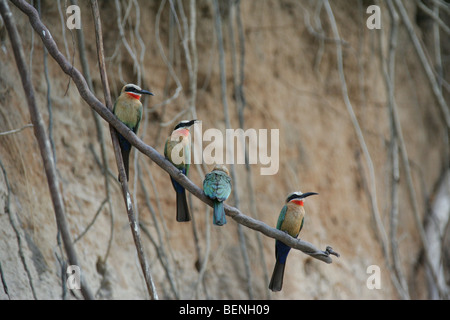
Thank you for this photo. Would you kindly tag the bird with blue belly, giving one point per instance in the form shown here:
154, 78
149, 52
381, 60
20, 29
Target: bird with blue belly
290, 220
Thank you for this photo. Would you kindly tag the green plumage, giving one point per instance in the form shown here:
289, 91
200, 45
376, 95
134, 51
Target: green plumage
129, 112
183, 148
178, 151
129, 115
281, 217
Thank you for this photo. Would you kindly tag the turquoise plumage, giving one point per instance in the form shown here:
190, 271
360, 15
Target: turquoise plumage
217, 186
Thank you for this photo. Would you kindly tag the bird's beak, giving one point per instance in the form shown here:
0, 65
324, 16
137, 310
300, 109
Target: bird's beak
146, 92
307, 194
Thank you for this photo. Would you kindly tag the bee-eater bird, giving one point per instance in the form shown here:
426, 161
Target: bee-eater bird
178, 151
128, 109
217, 186
290, 221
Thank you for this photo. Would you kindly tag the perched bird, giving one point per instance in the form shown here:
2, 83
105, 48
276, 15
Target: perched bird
178, 151
217, 186
128, 109
290, 221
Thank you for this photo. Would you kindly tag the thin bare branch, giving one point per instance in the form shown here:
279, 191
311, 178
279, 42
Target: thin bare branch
433, 16
123, 179
425, 63
388, 69
16, 130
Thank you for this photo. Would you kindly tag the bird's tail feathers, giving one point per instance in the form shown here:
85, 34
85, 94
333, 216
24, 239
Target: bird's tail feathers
219, 214
126, 162
125, 148
183, 214
276, 283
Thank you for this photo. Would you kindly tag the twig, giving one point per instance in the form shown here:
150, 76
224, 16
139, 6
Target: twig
158, 204
433, 16
63, 30
190, 48
5, 286
238, 80
123, 179
17, 232
187, 32
165, 93
150, 152
442, 5
139, 63
425, 64
92, 222
49, 104
160, 248
358, 131
404, 153
124, 40
320, 35
16, 130
318, 24
388, 70
242, 240
62, 272
437, 48
100, 137
44, 146
111, 175
172, 72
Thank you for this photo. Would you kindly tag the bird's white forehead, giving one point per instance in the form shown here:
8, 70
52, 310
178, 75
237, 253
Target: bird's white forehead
130, 85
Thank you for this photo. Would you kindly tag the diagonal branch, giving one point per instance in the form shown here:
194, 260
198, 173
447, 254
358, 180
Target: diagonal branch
150, 152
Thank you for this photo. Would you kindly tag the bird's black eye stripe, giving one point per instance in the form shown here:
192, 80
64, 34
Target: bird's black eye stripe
292, 197
178, 126
130, 89
184, 124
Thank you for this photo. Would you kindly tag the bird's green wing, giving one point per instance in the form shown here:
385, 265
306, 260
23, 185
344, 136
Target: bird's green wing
187, 157
281, 217
165, 148
182, 150
114, 108
301, 227
139, 117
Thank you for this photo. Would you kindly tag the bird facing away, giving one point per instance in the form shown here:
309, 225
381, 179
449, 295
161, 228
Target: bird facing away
290, 221
217, 186
128, 109
178, 151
